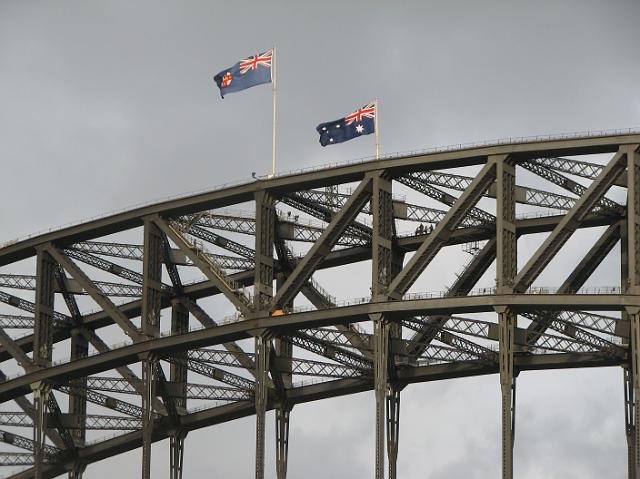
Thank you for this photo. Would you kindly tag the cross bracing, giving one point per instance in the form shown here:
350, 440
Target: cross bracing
153, 292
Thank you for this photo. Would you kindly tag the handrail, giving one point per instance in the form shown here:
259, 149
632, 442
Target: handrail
439, 149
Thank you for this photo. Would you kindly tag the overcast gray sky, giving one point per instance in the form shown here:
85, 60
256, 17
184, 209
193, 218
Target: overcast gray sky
107, 104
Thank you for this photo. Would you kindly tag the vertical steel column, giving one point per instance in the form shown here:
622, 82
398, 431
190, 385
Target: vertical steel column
629, 420
393, 388
263, 348
176, 457
382, 240
381, 362
152, 278
263, 295
77, 470
150, 322
381, 276
78, 402
284, 353
506, 270
506, 324
178, 376
634, 321
40, 397
45, 288
627, 370
147, 413
265, 237
506, 240
633, 220
282, 441
42, 351
632, 253
393, 429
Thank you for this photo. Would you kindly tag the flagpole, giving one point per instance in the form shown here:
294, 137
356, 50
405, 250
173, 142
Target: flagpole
273, 133
375, 125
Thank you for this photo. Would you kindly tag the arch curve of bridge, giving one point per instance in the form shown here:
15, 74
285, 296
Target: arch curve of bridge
624, 301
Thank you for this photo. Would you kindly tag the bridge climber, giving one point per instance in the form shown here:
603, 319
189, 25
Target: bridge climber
77, 290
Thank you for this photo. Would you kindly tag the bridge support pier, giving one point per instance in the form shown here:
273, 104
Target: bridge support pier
381, 353
282, 440
41, 393
393, 428
178, 376
387, 395
77, 470
632, 394
78, 402
629, 420
263, 296
153, 253
46, 267
506, 270
176, 457
263, 348
387, 261
506, 326
147, 415
630, 251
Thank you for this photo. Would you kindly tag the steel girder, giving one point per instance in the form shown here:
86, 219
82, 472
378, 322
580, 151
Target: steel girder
202, 289
316, 392
360, 355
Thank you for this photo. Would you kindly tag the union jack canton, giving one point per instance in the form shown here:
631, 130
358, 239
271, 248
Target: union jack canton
360, 122
252, 71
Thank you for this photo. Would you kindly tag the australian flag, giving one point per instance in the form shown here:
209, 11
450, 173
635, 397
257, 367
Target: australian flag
360, 122
249, 72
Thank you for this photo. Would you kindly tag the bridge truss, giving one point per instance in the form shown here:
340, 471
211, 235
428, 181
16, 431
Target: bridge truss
158, 280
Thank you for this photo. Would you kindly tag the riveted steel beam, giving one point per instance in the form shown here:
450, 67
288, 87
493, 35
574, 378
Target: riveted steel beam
48, 453
523, 195
307, 202
154, 251
263, 350
208, 322
321, 248
382, 273
507, 325
316, 294
210, 268
580, 168
581, 273
59, 319
15, 351
96, 294
29, 409
441, 233
78, 403
40, 397
630, 420
569, 223
506, 269
418, 183
263, 297
631, 252
604, 204
44, 308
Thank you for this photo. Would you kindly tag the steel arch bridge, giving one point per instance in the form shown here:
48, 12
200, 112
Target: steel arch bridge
144, 278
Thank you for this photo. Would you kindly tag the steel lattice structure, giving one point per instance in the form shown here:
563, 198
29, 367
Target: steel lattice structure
180, 365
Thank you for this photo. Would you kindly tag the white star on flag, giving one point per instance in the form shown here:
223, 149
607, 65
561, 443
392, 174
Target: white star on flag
359, 128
